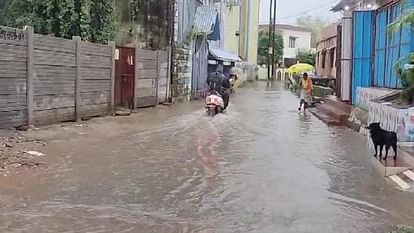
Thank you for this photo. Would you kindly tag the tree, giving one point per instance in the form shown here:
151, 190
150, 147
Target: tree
93, 20
263, 50
102, 16
313, 24
306, 56
3, 7
155, 18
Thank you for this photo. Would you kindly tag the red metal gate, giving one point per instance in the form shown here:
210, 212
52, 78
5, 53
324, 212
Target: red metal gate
124, 77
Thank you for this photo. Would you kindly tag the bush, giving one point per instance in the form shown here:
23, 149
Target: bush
403, 229
407, 81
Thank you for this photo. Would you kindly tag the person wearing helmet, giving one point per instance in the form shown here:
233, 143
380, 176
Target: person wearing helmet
215, 79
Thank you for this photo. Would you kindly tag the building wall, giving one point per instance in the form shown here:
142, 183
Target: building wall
326, 57
346, 55
249, 30
303, 41
231, 27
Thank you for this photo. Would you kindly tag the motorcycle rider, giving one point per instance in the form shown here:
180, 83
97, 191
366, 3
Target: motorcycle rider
215, 79
219, 83
226, 91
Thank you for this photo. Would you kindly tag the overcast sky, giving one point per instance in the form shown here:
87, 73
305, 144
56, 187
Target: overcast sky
289, 10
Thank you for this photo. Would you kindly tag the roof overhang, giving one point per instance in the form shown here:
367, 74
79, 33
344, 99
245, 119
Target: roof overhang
340, 6
223, 55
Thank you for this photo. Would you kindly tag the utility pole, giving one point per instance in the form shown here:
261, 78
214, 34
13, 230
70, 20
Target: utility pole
274, 39
270, 44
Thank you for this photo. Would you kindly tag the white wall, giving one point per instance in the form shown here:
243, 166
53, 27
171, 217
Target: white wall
346, 59
303, 41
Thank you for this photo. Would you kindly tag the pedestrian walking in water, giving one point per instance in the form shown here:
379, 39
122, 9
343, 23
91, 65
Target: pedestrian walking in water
306, 89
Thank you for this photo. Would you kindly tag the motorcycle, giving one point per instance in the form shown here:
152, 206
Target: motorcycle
214, 103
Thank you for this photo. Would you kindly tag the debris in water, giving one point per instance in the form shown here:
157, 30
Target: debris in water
34, 153
124, 112
9, 145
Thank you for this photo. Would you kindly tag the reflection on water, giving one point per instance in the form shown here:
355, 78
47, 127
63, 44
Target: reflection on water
262, 167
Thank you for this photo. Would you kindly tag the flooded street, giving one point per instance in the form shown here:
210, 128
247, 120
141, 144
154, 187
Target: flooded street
262, 167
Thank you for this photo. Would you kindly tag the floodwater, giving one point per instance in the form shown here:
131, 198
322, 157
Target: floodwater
262, 167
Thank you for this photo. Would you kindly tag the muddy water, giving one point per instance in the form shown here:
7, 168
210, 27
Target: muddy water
261, 167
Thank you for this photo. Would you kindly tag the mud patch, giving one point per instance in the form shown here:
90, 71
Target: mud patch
20, 152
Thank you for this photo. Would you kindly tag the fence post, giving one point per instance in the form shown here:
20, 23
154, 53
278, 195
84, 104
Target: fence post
158, 77
78, 107
136, 75
112, 88
29, 81
169, 71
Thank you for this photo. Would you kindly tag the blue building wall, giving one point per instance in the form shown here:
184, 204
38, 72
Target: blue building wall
362, 59
376, 50
390, 47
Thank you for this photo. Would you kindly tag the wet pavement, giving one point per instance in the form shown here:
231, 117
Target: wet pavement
262, 167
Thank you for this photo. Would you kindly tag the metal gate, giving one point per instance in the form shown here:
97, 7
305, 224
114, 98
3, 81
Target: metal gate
124, 76
362, 65
390, 47
200, 67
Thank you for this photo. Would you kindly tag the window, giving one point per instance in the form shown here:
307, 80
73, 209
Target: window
292, 42
332, 57
323, 59
317, 60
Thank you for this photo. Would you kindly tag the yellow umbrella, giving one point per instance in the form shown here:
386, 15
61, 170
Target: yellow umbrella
300, 68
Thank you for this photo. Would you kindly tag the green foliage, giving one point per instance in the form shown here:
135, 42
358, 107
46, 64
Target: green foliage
263, 48
406, 76
305, 56
83, 7
407, 79
406, 18
403, 229
3, 7
102, 20
155, 18
93, 20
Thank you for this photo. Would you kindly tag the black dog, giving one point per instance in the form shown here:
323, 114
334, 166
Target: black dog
381, 138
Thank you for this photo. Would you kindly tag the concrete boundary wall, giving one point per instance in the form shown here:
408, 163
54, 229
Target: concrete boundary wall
45, 79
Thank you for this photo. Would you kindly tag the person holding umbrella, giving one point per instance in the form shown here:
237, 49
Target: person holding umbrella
306, 89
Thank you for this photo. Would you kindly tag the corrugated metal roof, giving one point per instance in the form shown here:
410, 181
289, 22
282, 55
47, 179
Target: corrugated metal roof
205, 19
224, 55
186, 14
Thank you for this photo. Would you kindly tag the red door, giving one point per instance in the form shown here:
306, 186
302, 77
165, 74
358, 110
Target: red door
125, 77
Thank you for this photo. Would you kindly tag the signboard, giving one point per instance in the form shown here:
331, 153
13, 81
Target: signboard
117, 54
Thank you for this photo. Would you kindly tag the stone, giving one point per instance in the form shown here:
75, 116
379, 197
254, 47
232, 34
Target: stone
8, 144
123, 112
